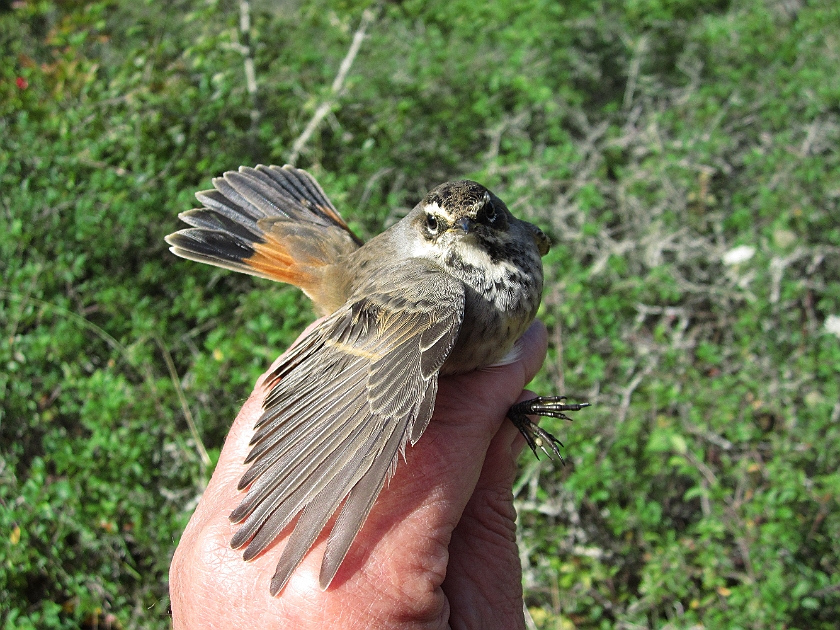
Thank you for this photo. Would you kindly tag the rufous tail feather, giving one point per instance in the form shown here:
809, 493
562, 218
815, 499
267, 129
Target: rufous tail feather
270, 222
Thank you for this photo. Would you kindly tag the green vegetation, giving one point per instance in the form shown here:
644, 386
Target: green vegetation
649, 138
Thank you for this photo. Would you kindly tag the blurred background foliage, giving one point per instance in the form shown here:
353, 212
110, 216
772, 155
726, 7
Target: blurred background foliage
683, 157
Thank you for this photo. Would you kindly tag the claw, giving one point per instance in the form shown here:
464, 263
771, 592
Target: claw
535, 436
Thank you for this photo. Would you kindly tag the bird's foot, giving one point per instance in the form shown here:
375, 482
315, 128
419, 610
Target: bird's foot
535, 436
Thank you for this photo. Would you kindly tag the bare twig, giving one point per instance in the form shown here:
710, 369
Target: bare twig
777, 269
831, 588
633, 74
807, 143
368, 191
336, 89
495, 134
250, 71
529, 620
631, 387
185, 408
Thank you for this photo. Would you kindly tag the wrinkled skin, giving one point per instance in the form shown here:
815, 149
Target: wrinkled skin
438, 549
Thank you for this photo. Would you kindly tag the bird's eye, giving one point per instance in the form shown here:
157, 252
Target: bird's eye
490, 211
431, 224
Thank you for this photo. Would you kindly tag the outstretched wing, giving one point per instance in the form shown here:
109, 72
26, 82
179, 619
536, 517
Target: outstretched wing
341, 408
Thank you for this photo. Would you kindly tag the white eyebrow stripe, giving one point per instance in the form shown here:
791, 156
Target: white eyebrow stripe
438, 211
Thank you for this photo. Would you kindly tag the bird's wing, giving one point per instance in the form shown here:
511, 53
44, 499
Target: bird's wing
341, 407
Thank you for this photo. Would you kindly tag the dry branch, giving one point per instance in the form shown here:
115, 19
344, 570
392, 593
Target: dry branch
337, 88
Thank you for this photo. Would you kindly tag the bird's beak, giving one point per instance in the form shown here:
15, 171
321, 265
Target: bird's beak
465, 224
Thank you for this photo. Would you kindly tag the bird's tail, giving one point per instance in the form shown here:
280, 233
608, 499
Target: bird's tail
271, 222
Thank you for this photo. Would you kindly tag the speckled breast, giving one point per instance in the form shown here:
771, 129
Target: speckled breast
500, 305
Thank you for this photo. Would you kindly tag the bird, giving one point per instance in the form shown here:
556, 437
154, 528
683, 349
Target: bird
447, 289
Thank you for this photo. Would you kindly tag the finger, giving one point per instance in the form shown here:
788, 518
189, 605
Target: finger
484, 577
535, 341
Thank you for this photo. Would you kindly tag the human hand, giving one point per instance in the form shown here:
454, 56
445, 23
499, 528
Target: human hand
437, 550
